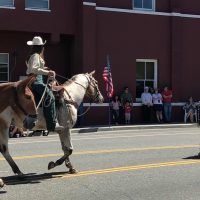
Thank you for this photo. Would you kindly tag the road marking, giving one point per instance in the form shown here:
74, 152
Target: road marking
105, 171
104, 151
129, 168
103, 137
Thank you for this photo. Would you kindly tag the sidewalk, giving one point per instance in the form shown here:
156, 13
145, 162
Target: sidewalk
131, 127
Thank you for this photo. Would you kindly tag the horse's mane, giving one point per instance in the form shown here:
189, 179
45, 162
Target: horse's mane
70, 81
6, 85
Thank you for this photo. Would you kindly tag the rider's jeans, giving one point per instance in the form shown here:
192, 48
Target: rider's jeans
49, 108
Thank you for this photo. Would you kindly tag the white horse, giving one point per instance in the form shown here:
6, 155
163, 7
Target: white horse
75, 89
17, 101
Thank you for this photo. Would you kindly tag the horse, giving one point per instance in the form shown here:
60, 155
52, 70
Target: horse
74, 91
16, 102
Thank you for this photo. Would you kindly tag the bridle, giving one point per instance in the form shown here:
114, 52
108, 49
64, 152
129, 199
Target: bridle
17, 102
92, 82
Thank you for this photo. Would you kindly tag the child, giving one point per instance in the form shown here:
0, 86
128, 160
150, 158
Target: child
127, 111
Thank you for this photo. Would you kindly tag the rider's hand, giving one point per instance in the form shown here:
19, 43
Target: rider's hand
52, 73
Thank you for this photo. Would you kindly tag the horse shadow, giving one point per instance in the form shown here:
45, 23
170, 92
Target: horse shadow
32, 178
3, 192
195, 157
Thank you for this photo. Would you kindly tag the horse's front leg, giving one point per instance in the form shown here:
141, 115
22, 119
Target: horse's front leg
67, 148
60, 161
7, 156
1, 183
69, 165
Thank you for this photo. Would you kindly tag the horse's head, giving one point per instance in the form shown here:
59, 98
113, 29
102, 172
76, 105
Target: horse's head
93, 91
26, 102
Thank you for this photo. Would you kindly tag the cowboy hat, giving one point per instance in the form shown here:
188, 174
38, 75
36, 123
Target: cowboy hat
37, 40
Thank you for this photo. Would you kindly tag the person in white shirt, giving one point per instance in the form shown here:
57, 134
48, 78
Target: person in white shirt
115, 104
158, 105
146, 98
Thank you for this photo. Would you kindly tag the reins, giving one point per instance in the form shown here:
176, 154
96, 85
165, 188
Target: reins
71, 100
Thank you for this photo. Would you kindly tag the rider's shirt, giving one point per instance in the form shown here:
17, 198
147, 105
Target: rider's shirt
36, 65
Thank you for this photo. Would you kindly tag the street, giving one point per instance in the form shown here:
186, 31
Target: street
156, 164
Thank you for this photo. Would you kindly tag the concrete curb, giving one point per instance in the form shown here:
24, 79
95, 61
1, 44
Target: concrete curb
131, 127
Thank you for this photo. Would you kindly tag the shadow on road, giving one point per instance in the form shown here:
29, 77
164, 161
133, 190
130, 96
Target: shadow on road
32, 178
195, 157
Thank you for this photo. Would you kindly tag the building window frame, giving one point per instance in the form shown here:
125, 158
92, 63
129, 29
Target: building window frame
38, 8
145, 9
155, 80
9, 6
8, 68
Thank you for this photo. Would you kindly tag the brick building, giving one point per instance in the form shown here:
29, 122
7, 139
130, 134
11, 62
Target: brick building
150, 42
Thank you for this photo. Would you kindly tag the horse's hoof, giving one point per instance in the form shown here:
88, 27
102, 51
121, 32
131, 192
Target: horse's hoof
1, 183
73, 171
51, 165
21, 176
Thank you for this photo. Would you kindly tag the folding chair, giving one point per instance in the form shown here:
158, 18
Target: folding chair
186, 115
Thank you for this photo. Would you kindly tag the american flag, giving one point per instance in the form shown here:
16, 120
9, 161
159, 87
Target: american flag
107, 76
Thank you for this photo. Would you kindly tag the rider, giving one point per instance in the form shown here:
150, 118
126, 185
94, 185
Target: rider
36, 65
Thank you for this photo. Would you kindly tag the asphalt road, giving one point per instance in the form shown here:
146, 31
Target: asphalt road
157, 164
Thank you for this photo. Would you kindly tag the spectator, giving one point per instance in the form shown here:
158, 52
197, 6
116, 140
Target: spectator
167, 99
190, 108
158, 105
115, 105
127, 112
126, 96
14, 131
146, 105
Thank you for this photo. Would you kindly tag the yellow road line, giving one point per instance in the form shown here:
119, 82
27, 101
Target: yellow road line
108, 170
104, 151
129, 168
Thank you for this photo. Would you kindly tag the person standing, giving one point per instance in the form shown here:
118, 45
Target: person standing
157, 105
127, 112
125, 96
36, 66
167, 103
115, 105
146, 98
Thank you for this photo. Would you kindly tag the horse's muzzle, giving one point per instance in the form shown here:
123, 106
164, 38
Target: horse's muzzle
30, 121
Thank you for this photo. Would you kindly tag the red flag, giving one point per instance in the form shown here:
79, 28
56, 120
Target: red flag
107, 76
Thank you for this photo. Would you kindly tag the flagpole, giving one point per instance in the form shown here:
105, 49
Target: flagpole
109, 99
107, 76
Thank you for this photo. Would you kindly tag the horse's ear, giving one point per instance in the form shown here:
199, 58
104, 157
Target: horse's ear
92, 73
27, 82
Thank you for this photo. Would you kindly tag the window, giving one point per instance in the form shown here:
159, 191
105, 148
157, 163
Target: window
144, 4
4, 67
37, 4
7, 3
146, 75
